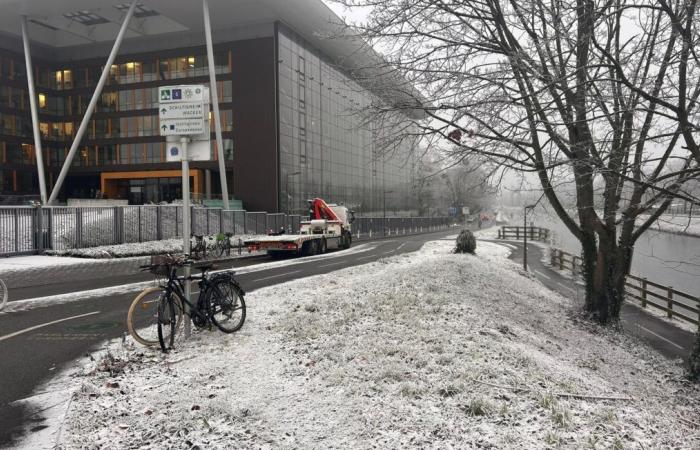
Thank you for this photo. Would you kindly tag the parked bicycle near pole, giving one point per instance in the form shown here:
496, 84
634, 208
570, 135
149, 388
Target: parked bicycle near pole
156, 314
199, 249
223, 244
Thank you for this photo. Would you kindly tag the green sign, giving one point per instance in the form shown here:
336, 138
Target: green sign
165, 94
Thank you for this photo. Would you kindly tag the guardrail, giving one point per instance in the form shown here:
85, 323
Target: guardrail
29, 230
533, 233
650, 294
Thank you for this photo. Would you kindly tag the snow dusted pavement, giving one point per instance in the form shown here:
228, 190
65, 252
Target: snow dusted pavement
429, 350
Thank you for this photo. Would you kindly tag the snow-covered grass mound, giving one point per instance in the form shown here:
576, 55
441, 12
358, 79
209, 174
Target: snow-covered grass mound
427, 350
161, 247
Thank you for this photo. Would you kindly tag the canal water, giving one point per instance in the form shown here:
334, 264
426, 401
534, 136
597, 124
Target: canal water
664, 258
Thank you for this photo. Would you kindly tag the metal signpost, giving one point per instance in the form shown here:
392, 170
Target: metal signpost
184, 121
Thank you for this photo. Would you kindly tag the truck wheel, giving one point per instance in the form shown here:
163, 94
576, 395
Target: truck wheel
324, 246
346, 240
306, 248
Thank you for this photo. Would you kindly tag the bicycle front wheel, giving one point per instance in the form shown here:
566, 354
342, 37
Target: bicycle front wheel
167, 321
142, 319
226, 305
3, 294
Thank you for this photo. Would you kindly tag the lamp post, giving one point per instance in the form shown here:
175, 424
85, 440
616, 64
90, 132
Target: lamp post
286, 188
528, 207
384, 208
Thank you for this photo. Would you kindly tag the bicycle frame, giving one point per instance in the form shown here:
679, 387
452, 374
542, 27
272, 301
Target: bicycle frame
175, 286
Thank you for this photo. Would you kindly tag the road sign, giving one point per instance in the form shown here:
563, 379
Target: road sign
183, 93
196, 150
183, 110
181, 127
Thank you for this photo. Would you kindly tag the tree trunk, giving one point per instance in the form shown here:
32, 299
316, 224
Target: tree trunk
607, 292
694, 361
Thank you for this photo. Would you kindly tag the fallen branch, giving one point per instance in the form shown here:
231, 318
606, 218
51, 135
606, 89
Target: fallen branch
592, 397
557, 394
690, 422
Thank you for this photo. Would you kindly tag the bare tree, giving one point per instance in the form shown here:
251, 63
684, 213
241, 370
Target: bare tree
592, 93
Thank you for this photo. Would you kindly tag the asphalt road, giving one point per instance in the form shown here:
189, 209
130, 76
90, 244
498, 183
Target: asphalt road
670, 341
37, 343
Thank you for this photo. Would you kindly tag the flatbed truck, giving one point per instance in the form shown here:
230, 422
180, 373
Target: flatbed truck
328, 227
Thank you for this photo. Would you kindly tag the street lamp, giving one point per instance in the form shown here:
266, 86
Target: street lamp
286, 188
528, 207
384, 208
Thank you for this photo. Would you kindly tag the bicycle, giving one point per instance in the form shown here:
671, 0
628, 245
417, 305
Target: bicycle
199, 249
142, 318
223, 244
3, 294
220, 303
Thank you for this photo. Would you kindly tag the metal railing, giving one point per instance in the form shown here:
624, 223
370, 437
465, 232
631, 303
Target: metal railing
29, 230
533, 233
649, 294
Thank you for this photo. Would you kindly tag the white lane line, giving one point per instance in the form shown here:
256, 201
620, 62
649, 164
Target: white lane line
566, 287
333, 264
537, 272
277, 276
35, 327
387, 253
400, 246
660, 337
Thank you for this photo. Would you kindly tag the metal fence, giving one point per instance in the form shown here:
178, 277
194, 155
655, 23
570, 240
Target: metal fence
671, 301
28, 230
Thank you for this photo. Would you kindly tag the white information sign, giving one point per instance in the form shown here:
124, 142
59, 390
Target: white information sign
182, 110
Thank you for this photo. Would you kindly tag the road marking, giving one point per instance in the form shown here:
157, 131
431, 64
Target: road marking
36, 327
333, 264
387, 253
565, 286
400, 246
660, 337
367, 257
541, 274
277, 276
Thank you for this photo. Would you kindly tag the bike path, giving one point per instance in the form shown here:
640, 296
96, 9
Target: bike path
29, 358
671, 341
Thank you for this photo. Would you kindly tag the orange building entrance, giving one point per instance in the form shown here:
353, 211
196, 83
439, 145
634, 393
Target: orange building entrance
148, 186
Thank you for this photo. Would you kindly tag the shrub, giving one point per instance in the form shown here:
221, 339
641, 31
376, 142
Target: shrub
466, 242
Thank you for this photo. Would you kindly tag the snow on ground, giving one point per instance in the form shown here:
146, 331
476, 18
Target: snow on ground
144, 248
107, 292
429, 350
19, 263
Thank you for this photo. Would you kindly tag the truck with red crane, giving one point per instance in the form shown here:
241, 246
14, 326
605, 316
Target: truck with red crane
328, 227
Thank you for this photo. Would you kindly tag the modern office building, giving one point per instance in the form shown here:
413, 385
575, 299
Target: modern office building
289, 110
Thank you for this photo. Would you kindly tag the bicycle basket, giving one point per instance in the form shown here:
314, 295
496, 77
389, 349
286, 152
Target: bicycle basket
161, 265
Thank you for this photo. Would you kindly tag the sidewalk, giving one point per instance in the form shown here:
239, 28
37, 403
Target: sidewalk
39, 270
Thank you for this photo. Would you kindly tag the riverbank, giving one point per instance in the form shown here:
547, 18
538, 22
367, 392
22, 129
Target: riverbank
429, 349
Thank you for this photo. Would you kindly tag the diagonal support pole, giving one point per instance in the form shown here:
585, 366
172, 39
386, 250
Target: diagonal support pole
215, 103
35, 112
93, 102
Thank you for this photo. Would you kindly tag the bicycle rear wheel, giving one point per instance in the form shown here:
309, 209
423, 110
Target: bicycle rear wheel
226, 305
166, 322
142, 319
3, 294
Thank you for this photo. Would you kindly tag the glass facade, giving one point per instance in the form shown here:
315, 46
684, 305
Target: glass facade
325, 148
124, 127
